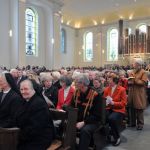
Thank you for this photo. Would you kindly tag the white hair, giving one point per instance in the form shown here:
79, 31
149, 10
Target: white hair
138, 61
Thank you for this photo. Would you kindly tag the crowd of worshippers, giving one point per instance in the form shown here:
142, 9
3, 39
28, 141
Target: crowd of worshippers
102, 98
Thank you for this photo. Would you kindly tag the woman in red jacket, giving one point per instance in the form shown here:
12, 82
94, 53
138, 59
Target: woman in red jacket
116, 100
65, 94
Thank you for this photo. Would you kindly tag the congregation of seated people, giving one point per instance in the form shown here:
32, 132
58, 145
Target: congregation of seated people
104, 97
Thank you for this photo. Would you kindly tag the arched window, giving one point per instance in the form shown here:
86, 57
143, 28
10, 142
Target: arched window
88, 46
142, 28
63, 40
112, 50
31, 32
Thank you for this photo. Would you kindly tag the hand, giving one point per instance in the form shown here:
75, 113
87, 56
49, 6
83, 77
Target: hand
79, 125
109, 100
61, 110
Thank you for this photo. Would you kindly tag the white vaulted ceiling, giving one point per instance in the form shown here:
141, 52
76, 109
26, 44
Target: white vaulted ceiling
81, 13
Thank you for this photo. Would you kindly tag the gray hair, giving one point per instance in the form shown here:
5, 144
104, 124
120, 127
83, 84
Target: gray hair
138, 61
66, 79
2, 74
83, 78
29, 83
56, 74
46, 77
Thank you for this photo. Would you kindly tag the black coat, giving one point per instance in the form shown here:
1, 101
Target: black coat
52, 94
8, 108
35, 123
20, 80
57, 85
95, 113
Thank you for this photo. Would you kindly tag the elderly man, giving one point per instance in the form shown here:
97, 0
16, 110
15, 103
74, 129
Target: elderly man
137, 94
10, 100
90, 110
33, 118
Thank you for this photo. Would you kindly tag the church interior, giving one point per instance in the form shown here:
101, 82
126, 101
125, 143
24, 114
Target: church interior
74, 74
73, 33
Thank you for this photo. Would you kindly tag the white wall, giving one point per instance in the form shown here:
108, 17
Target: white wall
65, 59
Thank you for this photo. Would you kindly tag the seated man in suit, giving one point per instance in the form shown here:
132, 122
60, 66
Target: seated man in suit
90, 110
10, 100
21, 77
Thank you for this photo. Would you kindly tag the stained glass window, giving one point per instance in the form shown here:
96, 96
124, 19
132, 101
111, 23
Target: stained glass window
63, 40
112, 50
88, 46
31, 32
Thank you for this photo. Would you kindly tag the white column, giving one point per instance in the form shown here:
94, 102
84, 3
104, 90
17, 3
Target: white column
49, 36
22, 46
14, 33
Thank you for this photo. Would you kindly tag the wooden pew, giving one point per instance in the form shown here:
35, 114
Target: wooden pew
8, 138
69, 119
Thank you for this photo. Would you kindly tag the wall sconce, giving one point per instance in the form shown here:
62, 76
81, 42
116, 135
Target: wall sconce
10, 33
52, 40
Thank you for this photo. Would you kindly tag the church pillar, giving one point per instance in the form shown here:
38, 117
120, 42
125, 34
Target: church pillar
120, 38
22, 46
13, 33
49, 56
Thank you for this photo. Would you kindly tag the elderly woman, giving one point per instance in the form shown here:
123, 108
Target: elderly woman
50, 92
34, 121
65, 94
56, 75
116, 100
137, 94
10, 100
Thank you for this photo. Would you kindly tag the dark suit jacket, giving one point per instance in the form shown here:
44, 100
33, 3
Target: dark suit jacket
37, 130
52, 94
20, 80
8, 108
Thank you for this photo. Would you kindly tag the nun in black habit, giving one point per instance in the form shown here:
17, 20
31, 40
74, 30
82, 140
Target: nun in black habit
33, 119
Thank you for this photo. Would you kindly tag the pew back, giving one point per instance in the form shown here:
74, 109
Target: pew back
8, 138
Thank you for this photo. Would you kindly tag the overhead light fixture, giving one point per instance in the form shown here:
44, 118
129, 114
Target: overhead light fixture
121, 17
95, 22
103, 51
131, 17
103, 21
77, 25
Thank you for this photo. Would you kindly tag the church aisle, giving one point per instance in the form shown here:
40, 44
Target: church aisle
133, 139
